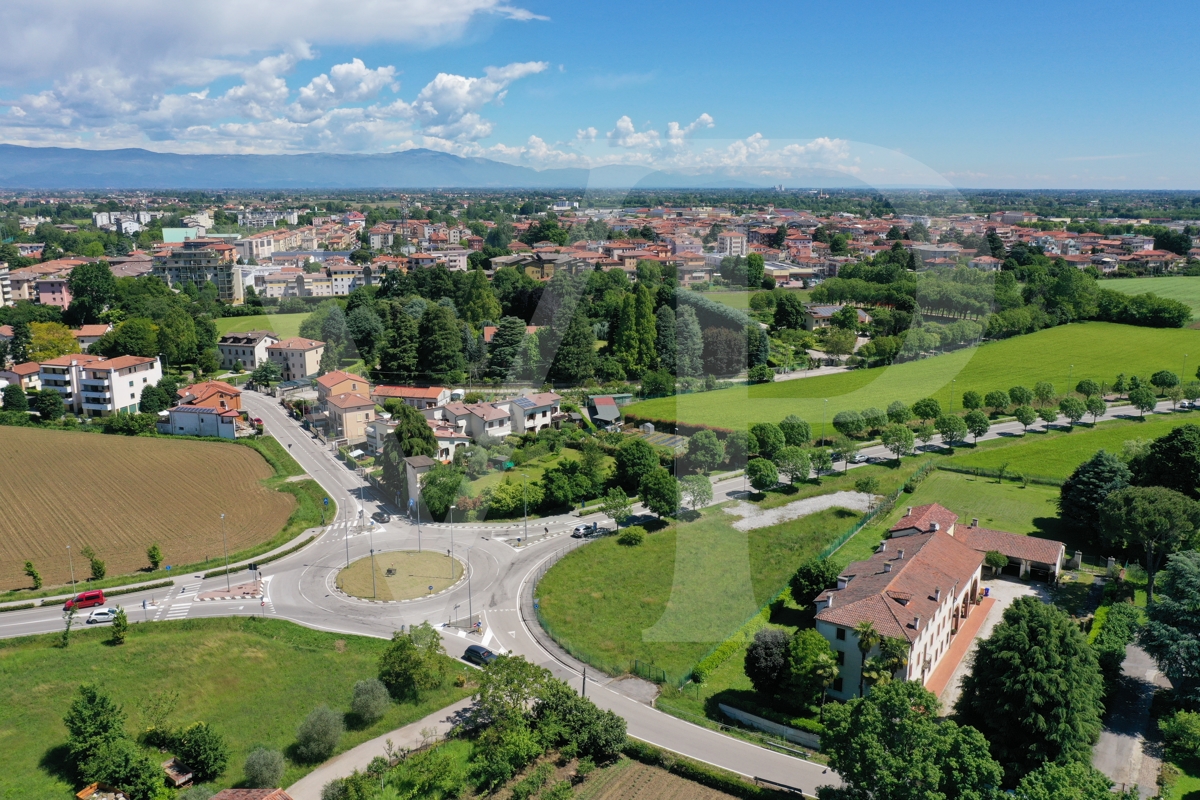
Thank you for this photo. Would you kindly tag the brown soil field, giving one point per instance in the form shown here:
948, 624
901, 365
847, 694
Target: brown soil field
120, 494
632, 780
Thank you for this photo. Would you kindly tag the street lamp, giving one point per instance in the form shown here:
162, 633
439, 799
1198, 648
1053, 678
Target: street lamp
72, 561
373, 594
470, 605
226, 547
452, 543
525, 488
824, 408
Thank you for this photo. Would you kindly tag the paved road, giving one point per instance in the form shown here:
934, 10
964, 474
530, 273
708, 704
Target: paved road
1121, 753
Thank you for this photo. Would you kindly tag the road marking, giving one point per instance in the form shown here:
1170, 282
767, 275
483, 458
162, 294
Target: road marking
178, 611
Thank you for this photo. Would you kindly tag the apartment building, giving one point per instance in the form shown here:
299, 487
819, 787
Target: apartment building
6, 294
348, 415
298, 358
339, 382
63, 375
197, 262
249, 348
732, 243
114, 385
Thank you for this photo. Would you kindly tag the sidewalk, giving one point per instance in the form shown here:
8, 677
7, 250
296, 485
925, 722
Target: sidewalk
410, 736
959, 648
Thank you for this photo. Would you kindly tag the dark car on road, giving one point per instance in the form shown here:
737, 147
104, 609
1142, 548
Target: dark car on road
478, 654
381, 517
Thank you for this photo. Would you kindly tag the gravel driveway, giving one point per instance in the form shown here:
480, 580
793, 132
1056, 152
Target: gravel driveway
755, 517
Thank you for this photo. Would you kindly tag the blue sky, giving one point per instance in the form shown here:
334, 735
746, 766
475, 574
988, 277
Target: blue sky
1095, 95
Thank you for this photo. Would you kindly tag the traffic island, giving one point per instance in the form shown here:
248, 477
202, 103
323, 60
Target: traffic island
400, 575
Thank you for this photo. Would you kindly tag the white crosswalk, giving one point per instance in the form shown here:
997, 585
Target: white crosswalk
178, 611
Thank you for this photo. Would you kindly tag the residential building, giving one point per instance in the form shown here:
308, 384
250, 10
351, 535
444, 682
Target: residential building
535, 412
249, 348
88, 335
338, 382
347, 416
732, 243
63, 374
985, 263
27, 376
187, 420
197, 262
376, 433
6, 294
51, 290
298, 358
476, 419
419, 397
448, 439
211, 394
604, 411
114, 385
822, 316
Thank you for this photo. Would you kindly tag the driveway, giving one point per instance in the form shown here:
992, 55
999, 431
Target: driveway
1005, 590
1123, 753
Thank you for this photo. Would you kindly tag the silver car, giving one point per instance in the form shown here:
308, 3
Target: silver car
101, 615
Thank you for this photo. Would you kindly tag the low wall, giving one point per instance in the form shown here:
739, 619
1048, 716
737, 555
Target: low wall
791, 734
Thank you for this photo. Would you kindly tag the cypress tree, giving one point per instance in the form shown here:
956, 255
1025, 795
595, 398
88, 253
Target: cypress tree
665, 330
439, 345
575, 360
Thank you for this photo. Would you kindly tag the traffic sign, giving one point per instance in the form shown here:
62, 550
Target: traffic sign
431, 588
168, 567
326, 501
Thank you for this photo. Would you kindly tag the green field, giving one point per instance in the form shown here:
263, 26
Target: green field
742, 299
1094, 350
672, 599
1185, 289
253, 680
286, 325
1056, 454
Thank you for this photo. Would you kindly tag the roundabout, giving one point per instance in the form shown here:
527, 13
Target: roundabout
400, 575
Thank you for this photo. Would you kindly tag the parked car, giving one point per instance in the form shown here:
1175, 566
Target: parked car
478, 654
94, 597
381, 517
859, 458
101, 615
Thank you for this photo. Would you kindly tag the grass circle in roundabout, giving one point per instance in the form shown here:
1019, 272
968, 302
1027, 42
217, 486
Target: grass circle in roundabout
400, 575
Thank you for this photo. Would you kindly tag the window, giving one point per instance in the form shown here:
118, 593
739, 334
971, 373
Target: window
841, 656
131, 383
837, 684
841, 634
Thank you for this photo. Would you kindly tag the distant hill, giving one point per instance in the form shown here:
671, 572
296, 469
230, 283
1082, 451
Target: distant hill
73, 168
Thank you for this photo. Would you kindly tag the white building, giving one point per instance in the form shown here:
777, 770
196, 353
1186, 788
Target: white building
732, 243
200, 421
114, 385
249, 348
63, 375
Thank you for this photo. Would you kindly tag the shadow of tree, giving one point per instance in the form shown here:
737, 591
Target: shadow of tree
57, 762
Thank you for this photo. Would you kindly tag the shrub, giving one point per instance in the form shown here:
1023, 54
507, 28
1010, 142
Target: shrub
204, 751
197, 792
760, 374
264, 768
767, 661
762, 474
632, 536
319, 734
1181, 735
371, 700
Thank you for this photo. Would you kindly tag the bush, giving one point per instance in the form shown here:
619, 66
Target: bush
264, 768
1181, 735
811, 578
761, 374
371, 700
203, 750
197, 792
319, 734
126, 766
632, 536
762, 474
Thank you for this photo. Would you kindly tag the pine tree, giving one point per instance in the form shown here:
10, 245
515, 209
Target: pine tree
478, 302
689, 345
505, 344
644, 314
22, 340
439, 345
575, 360
624, 340
665, 330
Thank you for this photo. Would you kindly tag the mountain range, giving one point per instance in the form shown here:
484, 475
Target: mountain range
75, 168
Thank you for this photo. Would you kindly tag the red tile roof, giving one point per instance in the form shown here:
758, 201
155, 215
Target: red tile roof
296, 343
28, 368
121, 362
251, 794
1028, 548
91, 330
331, 379
415, 392
922, 518
349, 400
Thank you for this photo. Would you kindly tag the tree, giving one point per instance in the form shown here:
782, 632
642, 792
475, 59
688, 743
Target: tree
412, 663
50, 340
892, 745
769, 437
846, 448
1073, 409
1020, 396
1048, 414
367, 332
789, 312
705, 450
1172, 633
93, 720
1143, 400
264, 768
49, 405
1172, 461
657, 383
795, 463
898, 439
972, 400
15, 398
21, 342
665, 326
266, 373
616, 504
977, 424
565, 483
898, 413
154, 555
635, 457
122, 764
92, 289
204, 750
927, 409
689, 344
1095, 406
371, 700
1085, 490
996, 560
1174, 394
760, 373
867, 485
319, 734
439, 345
1153, 519
997, 401
952, 427
1072, 781
848, 423
867, 638
697, 490
1025, 415
1164, 379
766, 661
120, 628
659, 492
412, 436
575, 360
1087, 387
1037, 667
762, 474
33, 575
822, 461
840, 342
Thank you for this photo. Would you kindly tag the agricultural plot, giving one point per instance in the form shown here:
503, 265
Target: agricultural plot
286, 325
1185, 289
1062, 356
630, 780
119, 495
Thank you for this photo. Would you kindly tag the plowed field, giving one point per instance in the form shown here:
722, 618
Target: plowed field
119, 495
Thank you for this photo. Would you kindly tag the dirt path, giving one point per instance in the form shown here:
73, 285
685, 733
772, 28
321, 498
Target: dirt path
755, 517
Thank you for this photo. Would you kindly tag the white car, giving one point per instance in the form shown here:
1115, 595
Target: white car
581, 531
101, 615
859, 458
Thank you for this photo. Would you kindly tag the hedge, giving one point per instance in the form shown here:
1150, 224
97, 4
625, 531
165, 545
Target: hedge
703, 774
17, 607
217, 572
118, 592
727, 648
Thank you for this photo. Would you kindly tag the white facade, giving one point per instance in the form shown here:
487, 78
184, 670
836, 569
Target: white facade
732, 244
114, 385
249, 348
200, 421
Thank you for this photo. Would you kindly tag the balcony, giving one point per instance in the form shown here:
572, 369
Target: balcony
104, 398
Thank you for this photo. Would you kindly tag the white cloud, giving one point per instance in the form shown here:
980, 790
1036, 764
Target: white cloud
676, 134
448, 106
627, 136
587, 134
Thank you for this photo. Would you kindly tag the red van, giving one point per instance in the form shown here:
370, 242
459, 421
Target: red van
95, 597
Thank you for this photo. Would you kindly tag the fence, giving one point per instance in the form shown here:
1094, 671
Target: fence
1013, 475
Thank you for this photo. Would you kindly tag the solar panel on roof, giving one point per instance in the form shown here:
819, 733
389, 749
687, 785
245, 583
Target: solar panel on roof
525, 402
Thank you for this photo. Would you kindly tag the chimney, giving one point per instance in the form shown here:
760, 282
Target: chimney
887, 566
830, 601
934, 526
909, 514
900, 553
883, 546
937, 594
917, 623
975, 522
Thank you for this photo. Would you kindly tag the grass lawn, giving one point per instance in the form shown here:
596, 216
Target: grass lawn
1186, 788
1056, 454
742, 299
253, 680
687, 588
1185, 289
413, 574
532, 469
1094, 350
286, 325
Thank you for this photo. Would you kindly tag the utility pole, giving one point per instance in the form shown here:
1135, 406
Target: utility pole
470, 604
374, 596
525, 487
226, 547
451, 550
585, 683
72, 561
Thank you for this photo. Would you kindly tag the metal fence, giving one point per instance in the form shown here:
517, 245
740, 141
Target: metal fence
1012, 475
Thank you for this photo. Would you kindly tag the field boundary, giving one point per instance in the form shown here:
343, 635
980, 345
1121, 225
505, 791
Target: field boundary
1015, 476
